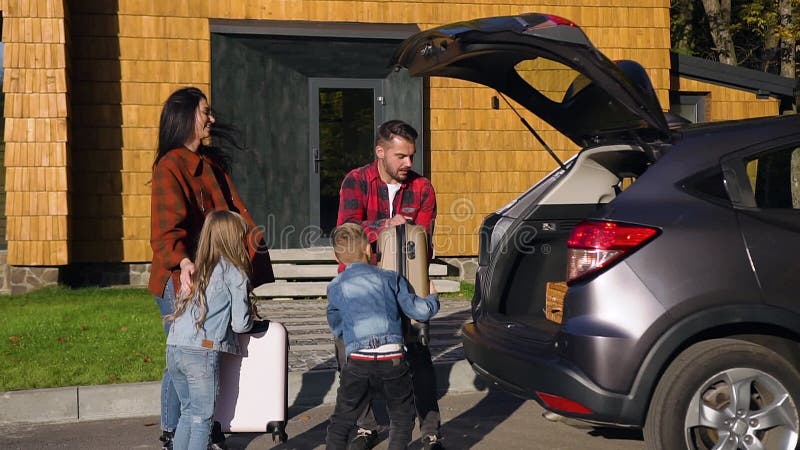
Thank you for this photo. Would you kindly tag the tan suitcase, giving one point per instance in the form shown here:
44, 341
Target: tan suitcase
404, 249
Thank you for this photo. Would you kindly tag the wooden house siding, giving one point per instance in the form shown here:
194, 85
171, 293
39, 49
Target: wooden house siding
36, 134
724, 103
127, 56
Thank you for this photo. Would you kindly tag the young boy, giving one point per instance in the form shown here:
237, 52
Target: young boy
364, 307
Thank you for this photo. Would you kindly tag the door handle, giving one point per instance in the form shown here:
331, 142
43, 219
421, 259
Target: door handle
317, 159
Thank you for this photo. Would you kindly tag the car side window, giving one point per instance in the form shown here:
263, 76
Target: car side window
775, 178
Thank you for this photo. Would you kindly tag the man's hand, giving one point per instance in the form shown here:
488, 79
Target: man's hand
187, 270
396, 220
432, 287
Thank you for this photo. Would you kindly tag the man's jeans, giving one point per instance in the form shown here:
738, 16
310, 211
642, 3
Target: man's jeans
392, 378
195, 375
423, 375
170, 404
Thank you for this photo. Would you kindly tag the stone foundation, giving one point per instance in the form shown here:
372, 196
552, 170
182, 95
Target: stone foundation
26, 279
5, 288
22, 279
105, 274
464, 268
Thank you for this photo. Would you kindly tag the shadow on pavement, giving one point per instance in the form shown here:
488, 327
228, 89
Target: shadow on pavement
628, 434
317, 382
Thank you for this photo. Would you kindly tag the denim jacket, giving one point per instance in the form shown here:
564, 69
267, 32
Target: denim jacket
228, 313
364, 306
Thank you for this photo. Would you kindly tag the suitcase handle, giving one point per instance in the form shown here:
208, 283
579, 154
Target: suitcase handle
259, 326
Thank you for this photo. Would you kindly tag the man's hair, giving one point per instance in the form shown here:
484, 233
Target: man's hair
350, 243
392, 128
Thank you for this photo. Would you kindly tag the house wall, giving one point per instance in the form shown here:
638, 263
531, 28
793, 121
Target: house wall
724, 103
127, 56
37, 118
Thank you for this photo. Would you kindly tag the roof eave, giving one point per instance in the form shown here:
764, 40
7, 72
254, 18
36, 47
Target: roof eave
760, 83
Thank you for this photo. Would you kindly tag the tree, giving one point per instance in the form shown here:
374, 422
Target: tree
758, 34
718, 13
788, 39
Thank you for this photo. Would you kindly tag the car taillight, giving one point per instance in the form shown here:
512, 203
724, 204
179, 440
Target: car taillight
562, 404
552, 21
595, 245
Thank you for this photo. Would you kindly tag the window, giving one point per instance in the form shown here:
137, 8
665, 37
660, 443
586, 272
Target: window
775, 178
689, 106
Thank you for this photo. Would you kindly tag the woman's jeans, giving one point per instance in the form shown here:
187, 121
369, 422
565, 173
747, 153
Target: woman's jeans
195, 375
170, 404
392, 378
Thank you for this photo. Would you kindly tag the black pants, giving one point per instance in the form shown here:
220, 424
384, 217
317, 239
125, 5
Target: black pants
357, 380
423, 376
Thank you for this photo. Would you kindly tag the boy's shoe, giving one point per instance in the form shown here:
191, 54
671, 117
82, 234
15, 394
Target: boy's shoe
364, 440
432, 442
166, 440
217, 437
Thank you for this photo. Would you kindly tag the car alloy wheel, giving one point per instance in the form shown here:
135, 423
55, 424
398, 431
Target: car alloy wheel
726, 394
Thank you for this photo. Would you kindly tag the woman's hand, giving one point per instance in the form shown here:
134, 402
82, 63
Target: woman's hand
187, 270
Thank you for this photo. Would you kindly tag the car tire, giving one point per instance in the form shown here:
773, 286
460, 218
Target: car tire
725, 389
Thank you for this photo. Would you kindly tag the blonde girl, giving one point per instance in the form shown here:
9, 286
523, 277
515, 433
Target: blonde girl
205, 322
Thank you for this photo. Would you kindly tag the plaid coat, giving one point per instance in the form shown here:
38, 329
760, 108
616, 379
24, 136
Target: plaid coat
185, 188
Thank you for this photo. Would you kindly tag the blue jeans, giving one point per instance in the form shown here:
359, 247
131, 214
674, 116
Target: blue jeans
170, 404
195, 375
357, 379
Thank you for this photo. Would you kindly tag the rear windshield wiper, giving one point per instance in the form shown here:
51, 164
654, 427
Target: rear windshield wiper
533, 132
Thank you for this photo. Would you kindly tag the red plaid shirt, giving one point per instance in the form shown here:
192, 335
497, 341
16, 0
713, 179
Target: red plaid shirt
364, 199
184, 190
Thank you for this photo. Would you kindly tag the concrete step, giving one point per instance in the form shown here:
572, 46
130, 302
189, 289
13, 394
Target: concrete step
313, 289
328, 271
302, 255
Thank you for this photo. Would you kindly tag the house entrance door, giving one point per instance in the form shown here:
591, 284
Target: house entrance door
344, 116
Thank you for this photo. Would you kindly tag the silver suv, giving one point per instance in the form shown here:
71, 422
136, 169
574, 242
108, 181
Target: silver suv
650, 281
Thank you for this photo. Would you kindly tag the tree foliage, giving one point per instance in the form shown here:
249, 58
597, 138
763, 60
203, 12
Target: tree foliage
758, 34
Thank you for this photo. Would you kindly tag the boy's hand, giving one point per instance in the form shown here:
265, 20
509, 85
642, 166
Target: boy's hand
432, 288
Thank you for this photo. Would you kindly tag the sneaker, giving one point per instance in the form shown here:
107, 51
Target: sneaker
217, 446
166, 440
364, 440
432, 442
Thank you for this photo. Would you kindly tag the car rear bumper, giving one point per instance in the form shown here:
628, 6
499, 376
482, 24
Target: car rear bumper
524, 370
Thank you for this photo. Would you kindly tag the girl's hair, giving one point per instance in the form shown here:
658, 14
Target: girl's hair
177, 126
223, 236
350, 243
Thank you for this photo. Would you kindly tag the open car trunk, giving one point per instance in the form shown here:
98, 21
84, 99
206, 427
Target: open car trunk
523, 245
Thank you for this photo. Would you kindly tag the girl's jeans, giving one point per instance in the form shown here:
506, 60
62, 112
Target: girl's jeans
195, 375
170, 404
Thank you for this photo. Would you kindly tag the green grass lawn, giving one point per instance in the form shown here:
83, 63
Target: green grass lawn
466, 292
69, 337
58, 336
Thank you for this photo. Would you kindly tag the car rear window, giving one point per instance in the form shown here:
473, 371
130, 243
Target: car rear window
709, 184
775, 178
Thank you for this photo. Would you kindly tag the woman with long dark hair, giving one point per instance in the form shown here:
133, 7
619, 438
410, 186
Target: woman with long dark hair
190, 180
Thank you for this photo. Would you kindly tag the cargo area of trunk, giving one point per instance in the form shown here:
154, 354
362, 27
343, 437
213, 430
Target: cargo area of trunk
531, 234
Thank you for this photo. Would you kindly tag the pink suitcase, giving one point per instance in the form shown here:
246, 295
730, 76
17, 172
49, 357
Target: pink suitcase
253, 387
